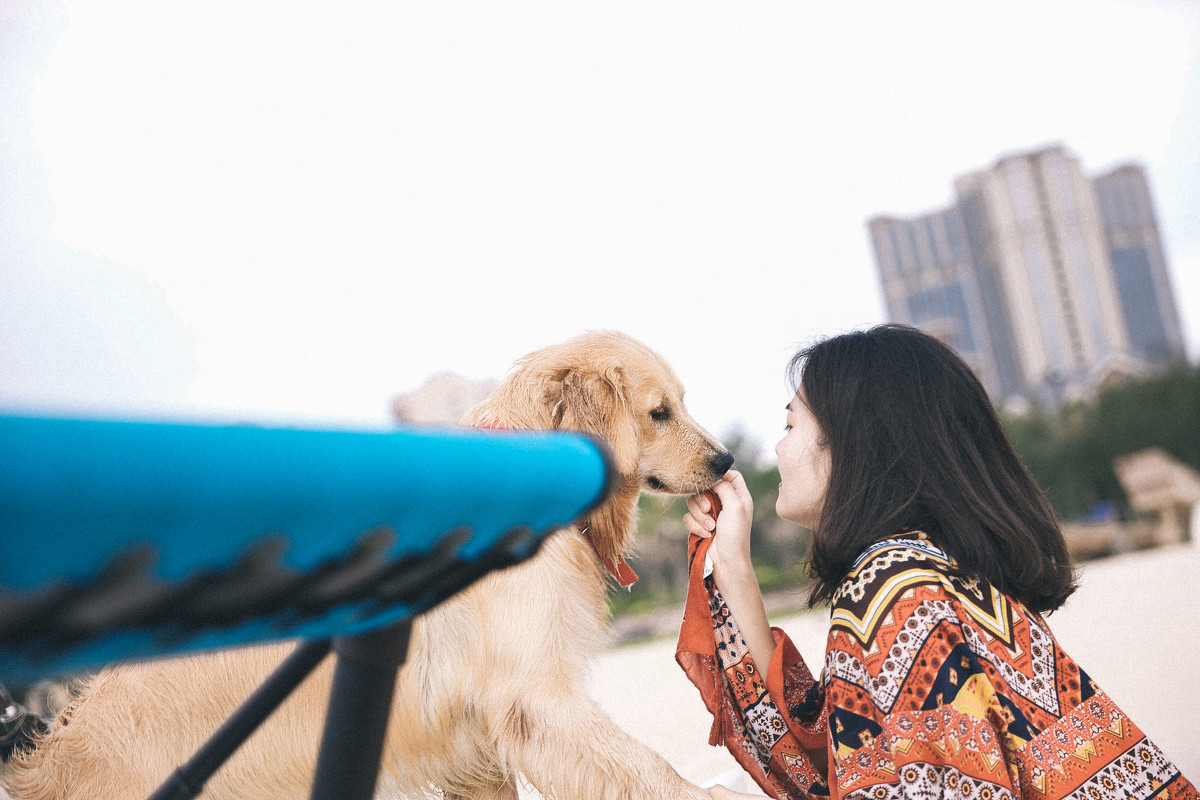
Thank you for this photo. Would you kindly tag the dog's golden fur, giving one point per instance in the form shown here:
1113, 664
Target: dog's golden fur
493, 687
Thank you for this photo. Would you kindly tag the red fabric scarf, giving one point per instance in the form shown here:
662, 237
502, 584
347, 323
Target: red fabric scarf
788, 772
696, 651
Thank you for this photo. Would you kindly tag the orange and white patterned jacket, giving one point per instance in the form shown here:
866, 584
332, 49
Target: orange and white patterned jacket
933, 686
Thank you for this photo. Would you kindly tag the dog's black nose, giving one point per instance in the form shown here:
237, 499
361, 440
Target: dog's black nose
721, 462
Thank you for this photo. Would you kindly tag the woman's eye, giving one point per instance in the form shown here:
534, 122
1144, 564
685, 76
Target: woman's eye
787, 428
660, 414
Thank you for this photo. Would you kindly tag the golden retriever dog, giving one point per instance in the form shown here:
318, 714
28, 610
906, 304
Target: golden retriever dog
493, 689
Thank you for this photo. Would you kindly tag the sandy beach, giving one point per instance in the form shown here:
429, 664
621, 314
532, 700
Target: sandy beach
1134, 625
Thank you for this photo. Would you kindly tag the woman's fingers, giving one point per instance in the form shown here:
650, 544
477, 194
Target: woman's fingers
738, 482
732, 491
696, 527
719, 792
700, 510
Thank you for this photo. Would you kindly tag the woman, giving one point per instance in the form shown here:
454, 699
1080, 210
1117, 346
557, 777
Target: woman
938, 555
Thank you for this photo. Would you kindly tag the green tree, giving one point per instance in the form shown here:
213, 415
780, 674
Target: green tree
1070, 452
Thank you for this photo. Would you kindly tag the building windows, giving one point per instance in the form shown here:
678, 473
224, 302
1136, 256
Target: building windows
944, 308
1139, 301
1022, 231
1081, 267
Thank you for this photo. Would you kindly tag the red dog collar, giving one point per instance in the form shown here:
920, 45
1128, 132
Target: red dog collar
616, 566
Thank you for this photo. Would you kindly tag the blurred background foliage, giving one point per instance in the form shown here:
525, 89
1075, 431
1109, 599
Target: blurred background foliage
1069, 451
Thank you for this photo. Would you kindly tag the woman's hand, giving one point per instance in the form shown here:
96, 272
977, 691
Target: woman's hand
719, 792
730, 550
730, 556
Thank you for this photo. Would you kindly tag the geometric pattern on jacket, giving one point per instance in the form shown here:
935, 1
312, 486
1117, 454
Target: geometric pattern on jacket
938, 686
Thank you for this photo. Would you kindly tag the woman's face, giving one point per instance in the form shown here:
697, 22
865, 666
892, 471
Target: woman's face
804, 466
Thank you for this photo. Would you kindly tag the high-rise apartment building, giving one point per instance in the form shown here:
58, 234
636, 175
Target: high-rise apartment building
1139, 265
1043, 280
932, 279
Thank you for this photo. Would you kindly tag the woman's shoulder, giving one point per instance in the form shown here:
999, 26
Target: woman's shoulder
908, 566
909, 575
905, 559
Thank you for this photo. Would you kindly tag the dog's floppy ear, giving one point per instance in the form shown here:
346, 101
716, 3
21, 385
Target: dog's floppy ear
597, 402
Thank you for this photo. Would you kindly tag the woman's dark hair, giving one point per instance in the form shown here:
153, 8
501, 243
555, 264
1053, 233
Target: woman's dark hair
915, 444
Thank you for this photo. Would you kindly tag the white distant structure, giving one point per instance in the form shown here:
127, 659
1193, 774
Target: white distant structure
442, 400
1163, 487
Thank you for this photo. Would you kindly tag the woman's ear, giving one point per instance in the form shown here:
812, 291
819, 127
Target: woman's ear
598, 402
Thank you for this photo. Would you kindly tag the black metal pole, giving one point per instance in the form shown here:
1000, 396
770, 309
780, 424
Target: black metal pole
188, 781
356, 723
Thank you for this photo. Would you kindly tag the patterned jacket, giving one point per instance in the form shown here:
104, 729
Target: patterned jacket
934, 686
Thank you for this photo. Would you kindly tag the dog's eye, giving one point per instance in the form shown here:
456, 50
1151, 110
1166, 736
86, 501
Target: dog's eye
660, 414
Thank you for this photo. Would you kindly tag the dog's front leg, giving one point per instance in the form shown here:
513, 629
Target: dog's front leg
507, 790
569, 749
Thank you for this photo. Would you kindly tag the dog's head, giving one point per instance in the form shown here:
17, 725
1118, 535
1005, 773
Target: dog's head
611, 385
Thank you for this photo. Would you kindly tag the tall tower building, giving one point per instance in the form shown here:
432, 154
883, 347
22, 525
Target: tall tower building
930, 281
1139, 265
1026, 277
1045, 236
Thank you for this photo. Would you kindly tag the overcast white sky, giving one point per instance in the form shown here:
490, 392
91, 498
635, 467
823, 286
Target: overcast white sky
290, 211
